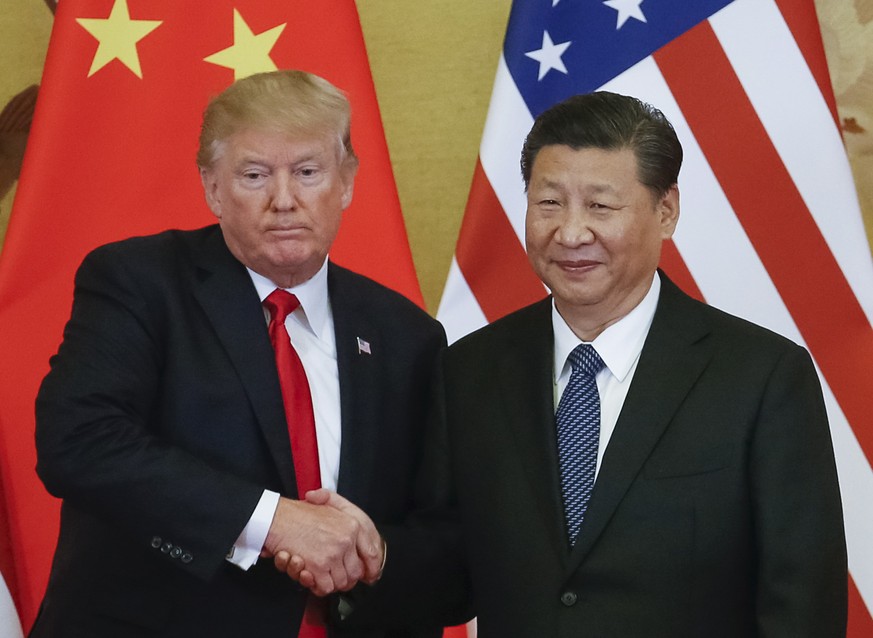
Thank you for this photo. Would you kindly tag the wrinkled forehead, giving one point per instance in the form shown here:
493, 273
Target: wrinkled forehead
260, 138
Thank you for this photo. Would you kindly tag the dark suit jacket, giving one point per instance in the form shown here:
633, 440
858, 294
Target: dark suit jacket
161, 422
716, 511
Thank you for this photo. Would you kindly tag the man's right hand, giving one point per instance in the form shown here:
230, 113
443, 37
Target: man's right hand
327, 548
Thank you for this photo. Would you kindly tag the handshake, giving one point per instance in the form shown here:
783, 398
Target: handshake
325, 543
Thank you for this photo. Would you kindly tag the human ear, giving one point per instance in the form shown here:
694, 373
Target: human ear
668, 210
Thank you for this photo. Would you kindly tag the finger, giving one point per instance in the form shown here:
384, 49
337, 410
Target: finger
354, 569
368, 541
373, 569
294, 567
320, 496
369, 544
306, 579
281, 560
323, 584
339, 573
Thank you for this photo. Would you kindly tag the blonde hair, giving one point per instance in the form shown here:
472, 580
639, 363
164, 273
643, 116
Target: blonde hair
287, 102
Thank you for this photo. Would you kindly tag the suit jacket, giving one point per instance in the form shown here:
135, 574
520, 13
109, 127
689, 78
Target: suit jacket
716, 511
161, 422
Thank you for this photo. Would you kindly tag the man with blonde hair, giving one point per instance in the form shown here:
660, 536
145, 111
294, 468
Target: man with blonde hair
209, 378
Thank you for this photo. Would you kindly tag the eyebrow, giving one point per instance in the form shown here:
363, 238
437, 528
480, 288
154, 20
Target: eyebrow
597, 189
258, 159
251, 159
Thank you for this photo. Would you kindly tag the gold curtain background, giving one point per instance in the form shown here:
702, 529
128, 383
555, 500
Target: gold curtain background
433, 64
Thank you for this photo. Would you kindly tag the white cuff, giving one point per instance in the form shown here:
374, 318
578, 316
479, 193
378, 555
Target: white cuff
248, 546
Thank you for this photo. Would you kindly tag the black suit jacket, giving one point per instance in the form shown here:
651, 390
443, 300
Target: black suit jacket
161, 422
716, 511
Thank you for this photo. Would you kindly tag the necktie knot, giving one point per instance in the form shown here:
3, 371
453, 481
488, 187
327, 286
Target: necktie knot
280, 303
585, 360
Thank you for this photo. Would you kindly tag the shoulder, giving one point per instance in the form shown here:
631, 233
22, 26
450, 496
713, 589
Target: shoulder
736, 336
151, 267
156, 249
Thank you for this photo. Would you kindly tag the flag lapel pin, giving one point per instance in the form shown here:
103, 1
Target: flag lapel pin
363, 346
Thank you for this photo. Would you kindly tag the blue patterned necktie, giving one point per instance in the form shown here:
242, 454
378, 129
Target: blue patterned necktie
578, 424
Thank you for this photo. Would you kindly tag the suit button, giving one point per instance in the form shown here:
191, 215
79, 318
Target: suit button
156, 542
187, 557
176, 552
166, 547
569, 598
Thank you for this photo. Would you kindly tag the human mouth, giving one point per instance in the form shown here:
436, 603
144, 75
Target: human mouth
577, 265
287, 231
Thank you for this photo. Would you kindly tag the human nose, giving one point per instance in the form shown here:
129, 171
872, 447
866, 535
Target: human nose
283, 195
574, 229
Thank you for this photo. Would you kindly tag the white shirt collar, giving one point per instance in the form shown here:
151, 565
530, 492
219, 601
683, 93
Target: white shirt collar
312, 295
620, 344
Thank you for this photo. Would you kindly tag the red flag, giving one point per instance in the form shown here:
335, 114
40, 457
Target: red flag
459, 632
771, 228
111, 154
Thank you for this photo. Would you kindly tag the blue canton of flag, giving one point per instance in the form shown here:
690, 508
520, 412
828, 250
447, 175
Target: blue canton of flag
581, 44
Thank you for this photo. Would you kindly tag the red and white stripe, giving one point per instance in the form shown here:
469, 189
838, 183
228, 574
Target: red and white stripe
770, 229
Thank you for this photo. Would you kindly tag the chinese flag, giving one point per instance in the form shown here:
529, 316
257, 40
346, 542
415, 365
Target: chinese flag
111, 154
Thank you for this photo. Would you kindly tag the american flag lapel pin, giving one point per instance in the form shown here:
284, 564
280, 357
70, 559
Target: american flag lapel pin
363, 346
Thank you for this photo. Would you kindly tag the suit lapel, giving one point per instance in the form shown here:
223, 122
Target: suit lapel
525, 372
230, 301
360, 390
673, 357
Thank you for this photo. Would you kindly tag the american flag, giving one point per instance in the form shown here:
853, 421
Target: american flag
363, 346
770, 229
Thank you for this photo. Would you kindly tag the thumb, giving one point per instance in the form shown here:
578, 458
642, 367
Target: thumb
318, 497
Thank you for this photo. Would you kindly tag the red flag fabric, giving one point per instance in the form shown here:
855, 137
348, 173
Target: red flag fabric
770, 229
111, 154
459, 632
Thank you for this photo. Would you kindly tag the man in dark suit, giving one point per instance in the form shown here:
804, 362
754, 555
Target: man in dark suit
162, 423
684, 484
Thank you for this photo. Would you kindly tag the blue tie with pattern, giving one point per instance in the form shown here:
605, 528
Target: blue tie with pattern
578, 424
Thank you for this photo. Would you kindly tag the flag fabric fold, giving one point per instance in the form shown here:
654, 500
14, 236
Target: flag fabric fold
111, 155
771, 228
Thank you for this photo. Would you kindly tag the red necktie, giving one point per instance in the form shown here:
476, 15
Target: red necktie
295, 394
301, 422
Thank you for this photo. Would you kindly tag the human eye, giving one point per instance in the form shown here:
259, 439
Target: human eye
601, 206
308, 172
545, 206
545, 200
252, 177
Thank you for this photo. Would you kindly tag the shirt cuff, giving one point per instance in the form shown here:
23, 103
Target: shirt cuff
248, 546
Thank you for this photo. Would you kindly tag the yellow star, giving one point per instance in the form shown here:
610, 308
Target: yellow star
250, 53
118, 35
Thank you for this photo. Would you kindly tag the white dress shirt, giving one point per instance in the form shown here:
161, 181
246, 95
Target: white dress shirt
619, 346
311, 331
